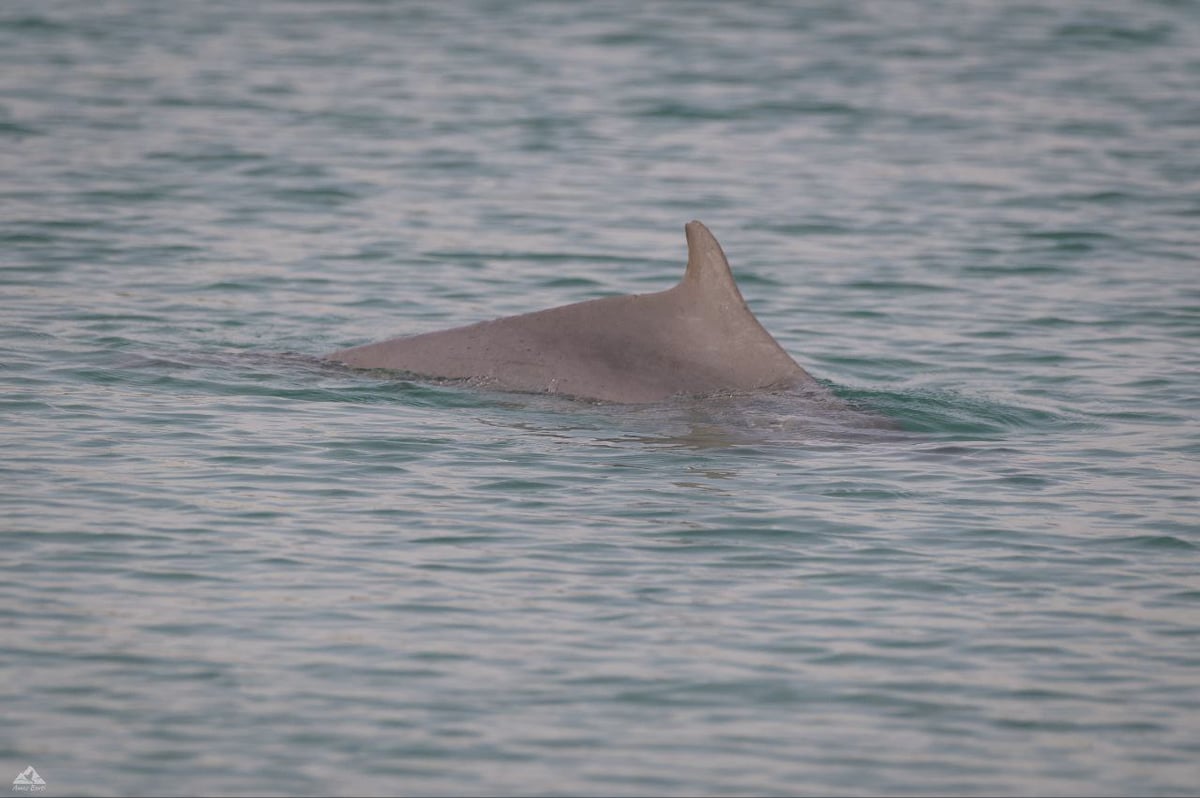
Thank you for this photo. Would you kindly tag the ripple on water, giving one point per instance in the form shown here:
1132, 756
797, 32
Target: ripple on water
236, 569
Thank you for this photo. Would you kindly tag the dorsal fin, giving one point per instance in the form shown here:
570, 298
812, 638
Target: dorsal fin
707, 268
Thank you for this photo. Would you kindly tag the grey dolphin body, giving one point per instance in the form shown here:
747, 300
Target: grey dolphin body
695, 338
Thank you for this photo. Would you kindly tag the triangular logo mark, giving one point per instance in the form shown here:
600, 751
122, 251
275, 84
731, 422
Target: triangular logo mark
28, 776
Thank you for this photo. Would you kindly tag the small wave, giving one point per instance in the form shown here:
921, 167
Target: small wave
950, 413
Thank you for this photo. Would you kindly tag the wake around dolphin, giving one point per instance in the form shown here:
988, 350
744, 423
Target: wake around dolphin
696, 338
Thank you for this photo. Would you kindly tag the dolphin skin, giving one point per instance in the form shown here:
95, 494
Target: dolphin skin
693, 339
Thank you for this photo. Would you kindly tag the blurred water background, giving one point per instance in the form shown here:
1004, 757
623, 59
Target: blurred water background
230, 568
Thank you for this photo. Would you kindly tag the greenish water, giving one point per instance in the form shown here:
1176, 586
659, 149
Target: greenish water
230, 568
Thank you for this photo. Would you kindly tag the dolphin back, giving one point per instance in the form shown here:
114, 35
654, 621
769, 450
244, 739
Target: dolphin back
698, 337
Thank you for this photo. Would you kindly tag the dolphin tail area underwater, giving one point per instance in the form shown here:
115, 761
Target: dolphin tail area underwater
696, 338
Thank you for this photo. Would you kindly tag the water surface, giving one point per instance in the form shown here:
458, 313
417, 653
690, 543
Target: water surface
233, 569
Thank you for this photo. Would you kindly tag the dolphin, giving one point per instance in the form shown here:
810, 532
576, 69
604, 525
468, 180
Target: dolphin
696, 338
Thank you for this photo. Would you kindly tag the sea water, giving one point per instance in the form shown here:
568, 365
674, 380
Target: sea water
230, 568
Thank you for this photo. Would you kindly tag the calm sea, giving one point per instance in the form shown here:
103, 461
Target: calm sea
232, 569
